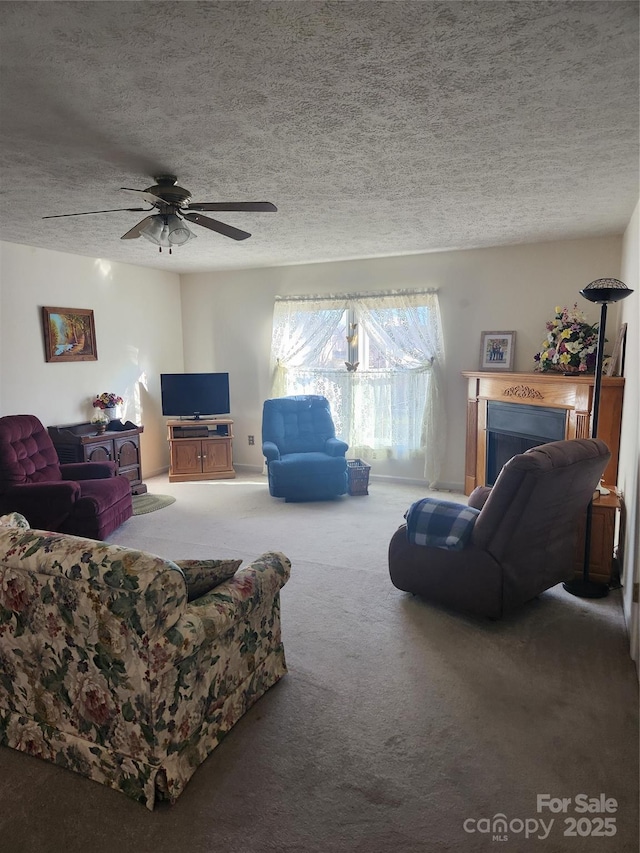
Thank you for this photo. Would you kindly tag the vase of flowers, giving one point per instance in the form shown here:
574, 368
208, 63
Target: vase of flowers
100, 424
570, 345
108, 402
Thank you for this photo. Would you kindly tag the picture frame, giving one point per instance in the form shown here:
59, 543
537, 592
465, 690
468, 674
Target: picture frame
69, 334
497, 350
615, 362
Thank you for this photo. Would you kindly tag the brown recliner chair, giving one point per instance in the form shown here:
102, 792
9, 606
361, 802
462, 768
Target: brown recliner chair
522, 542
81, 498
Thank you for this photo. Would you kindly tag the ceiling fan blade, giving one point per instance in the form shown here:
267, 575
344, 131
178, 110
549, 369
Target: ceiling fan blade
251, 206
90, 212
220, 227
150, 197
135, 231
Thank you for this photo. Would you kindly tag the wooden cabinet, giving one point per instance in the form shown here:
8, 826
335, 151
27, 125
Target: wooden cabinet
602, 546
121, 444
200, 450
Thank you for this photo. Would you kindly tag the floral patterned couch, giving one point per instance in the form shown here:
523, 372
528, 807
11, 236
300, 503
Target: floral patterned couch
106, 669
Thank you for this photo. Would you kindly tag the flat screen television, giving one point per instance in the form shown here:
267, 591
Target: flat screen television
194, 395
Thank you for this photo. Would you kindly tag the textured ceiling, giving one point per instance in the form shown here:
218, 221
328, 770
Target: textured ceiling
377, 128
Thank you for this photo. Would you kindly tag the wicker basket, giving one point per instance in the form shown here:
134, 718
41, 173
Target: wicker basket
358, 472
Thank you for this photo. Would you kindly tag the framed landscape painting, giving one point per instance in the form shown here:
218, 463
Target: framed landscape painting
497, 350
69, 334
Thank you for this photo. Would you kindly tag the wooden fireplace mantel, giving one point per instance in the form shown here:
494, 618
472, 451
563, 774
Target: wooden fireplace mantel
552, 390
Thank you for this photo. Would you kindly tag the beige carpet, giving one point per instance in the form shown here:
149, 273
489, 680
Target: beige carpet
397, 722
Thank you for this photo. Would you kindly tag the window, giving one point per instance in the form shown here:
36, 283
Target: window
377, 359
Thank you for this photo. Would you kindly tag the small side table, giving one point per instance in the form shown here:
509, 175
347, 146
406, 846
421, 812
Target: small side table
602, 566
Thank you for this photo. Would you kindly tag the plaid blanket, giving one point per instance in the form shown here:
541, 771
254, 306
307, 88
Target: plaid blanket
440, 524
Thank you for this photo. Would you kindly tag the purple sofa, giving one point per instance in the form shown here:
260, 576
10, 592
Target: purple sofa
83, 498
523, 539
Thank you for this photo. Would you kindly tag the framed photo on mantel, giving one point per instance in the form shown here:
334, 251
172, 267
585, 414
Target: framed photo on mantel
614, 365
497, 350
69, 334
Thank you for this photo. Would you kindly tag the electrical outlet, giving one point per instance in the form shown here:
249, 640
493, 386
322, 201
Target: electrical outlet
252, 439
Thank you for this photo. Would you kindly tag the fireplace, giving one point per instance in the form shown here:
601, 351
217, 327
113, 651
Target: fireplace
553, 407
513, 428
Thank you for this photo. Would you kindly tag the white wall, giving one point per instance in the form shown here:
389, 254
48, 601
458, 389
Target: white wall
226, 326
138, 334
629, 479
227, 318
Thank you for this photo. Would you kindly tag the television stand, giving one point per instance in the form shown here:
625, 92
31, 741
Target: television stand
197, 417
200, 450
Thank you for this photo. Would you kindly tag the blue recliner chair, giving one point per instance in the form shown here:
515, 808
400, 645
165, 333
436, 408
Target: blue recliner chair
305, 460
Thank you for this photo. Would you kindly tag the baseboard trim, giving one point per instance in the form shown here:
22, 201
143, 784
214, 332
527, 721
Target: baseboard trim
386, 478
157, 472
408, 481
449, 487
250, 469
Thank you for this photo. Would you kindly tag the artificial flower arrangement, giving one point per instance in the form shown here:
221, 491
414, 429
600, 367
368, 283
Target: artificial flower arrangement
570, 345
100, 423
107, 401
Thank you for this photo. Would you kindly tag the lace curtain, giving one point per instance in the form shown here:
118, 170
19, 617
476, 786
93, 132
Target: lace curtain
302, 330
396, 411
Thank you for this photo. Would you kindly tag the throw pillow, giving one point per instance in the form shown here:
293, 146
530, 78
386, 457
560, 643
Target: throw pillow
440, 524
203, 575
14, 519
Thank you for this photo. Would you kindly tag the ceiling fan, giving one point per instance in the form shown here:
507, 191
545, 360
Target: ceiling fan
167, 227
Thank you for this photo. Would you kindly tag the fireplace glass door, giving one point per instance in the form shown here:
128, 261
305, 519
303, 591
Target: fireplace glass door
513, 428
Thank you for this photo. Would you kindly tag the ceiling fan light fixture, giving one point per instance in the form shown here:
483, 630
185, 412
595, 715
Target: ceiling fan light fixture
154, 230
179, 233
167, 230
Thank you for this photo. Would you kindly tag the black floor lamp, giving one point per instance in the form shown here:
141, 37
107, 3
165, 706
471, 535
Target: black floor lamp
602, 291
